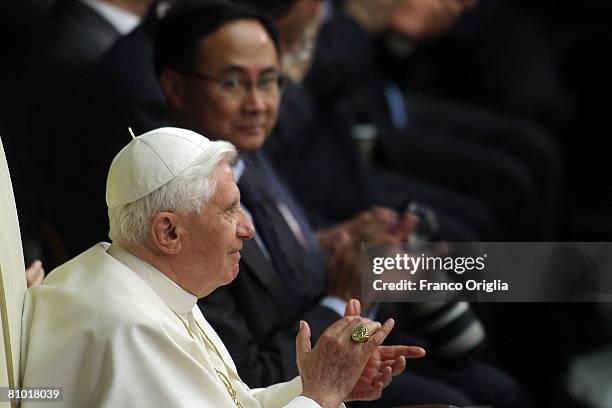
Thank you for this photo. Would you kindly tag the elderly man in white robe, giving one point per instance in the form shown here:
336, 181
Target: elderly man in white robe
118, 326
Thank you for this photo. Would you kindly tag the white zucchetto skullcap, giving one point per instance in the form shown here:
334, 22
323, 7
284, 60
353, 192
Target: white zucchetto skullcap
150, 161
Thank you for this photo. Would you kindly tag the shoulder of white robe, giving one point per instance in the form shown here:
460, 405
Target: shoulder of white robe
12, 279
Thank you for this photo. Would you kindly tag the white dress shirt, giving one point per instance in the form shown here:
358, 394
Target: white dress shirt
123, 20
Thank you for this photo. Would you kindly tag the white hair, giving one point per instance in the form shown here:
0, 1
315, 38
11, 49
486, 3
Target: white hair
185, 194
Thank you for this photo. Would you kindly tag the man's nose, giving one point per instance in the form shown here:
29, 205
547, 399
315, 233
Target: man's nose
254, 100
245, 229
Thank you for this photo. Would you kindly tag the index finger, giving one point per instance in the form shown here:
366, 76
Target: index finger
389, 352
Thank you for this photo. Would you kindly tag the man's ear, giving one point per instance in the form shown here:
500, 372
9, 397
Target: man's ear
164, 233
173, 86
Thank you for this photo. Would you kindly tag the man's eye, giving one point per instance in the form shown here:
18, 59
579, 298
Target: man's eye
230, 83
268, 82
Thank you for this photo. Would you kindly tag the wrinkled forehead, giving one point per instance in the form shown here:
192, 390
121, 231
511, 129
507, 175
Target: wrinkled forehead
226, 192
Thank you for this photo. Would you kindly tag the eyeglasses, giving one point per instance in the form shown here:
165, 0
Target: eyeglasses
236, 87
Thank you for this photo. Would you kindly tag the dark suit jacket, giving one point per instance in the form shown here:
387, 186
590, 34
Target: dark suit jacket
75, 38
252, 314
119, 91
312, 139
62, 50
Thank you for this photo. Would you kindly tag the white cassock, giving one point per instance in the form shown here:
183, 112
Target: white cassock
115, 332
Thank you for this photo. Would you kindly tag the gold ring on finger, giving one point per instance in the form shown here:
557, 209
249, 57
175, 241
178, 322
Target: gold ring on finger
360, 334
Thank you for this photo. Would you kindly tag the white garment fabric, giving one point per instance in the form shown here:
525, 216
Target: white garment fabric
104, 326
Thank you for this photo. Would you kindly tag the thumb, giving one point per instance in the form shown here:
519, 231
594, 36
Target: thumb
302, 340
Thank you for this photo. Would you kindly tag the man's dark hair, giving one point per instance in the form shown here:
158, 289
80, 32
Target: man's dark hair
181, 32
276, 8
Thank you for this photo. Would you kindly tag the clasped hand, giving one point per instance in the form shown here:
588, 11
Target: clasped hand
338, 369
379, 224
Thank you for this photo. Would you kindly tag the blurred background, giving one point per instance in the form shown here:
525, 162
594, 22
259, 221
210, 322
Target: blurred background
536, 71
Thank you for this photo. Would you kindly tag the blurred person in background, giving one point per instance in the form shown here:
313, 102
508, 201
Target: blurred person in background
224, 80
75, 34
437, 142
117, 91
543, 60
545, 63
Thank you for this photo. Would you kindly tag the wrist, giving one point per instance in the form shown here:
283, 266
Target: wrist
325, 400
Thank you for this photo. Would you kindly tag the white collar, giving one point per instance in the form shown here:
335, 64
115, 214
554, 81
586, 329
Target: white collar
238, 170
177, 299
121, 19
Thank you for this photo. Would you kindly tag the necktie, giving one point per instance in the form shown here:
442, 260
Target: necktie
265, 216
303, 230
396, 105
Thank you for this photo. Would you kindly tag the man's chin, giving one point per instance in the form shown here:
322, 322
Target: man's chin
249, 142
233, 274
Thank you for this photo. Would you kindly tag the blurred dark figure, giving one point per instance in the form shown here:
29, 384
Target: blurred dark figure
509, 165
317, 131
18, 22
75, 34
496, 56
545, 60
349, 66
118, 91
548, 62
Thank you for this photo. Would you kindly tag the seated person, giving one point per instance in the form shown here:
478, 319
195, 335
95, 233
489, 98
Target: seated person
219, 67
428, 140
118, 326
